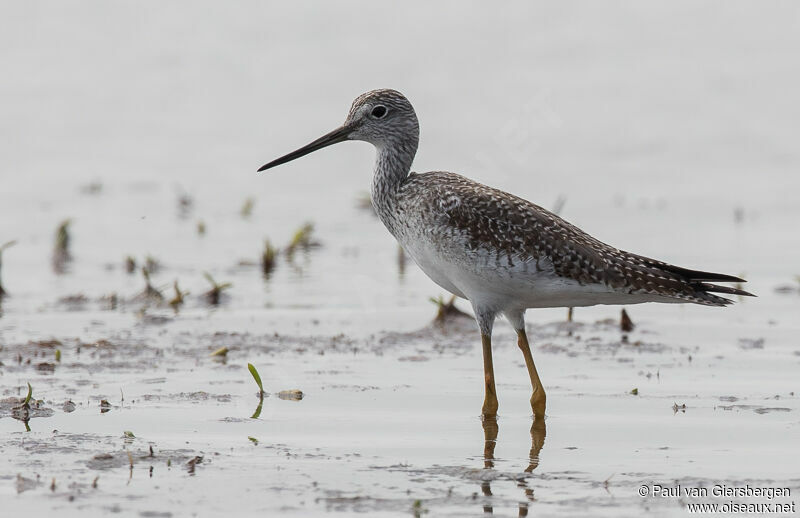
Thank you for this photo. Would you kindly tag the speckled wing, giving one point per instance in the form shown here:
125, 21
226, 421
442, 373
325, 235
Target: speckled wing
495, 222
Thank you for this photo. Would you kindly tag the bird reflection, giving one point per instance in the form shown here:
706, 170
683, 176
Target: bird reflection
490, 431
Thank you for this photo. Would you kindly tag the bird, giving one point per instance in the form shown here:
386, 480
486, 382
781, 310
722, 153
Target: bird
500, 252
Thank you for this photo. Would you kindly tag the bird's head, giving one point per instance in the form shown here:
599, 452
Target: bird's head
380, 117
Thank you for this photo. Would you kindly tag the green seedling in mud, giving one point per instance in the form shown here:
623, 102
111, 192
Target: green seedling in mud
130, 264
2, 249
201, 228
301, 239
254, 373
222, 351
128, 434
215, 293
247, 208
27, 402
150, 293
635, 392
58, 355
178, 299
22, 411
268, 258
61, 253
253, 440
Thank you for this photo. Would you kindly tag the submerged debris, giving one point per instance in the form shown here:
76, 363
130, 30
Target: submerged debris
625, 322
676, 407
192, 464
790, 289
291, 395
61, 253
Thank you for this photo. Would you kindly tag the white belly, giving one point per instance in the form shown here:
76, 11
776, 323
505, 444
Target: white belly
490, 282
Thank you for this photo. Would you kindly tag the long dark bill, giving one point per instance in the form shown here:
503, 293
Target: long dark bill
335, 136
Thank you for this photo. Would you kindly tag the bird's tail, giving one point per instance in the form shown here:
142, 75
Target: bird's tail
699, 288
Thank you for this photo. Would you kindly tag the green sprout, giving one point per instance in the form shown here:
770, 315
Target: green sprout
268, 258
254, 372
301, 239
214, 294
256, 377
149, 291
178, 299
27, 402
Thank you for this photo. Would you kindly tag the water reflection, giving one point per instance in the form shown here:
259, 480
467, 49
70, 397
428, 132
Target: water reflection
490, 432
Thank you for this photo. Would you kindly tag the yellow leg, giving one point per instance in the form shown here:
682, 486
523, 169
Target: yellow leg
490, 399
538, 399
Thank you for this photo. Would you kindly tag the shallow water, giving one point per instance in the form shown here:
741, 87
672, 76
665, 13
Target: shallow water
678, 145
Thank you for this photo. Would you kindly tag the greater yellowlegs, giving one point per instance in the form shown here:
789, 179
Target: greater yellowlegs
502, 253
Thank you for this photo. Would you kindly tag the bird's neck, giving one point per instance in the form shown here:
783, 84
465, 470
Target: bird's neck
392, 165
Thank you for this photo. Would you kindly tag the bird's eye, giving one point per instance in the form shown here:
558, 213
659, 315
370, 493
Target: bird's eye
379, 112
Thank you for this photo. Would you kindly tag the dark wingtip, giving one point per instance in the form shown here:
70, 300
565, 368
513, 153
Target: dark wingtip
714, 288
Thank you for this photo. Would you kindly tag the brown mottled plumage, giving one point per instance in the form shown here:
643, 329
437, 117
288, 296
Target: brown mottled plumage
517, 230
